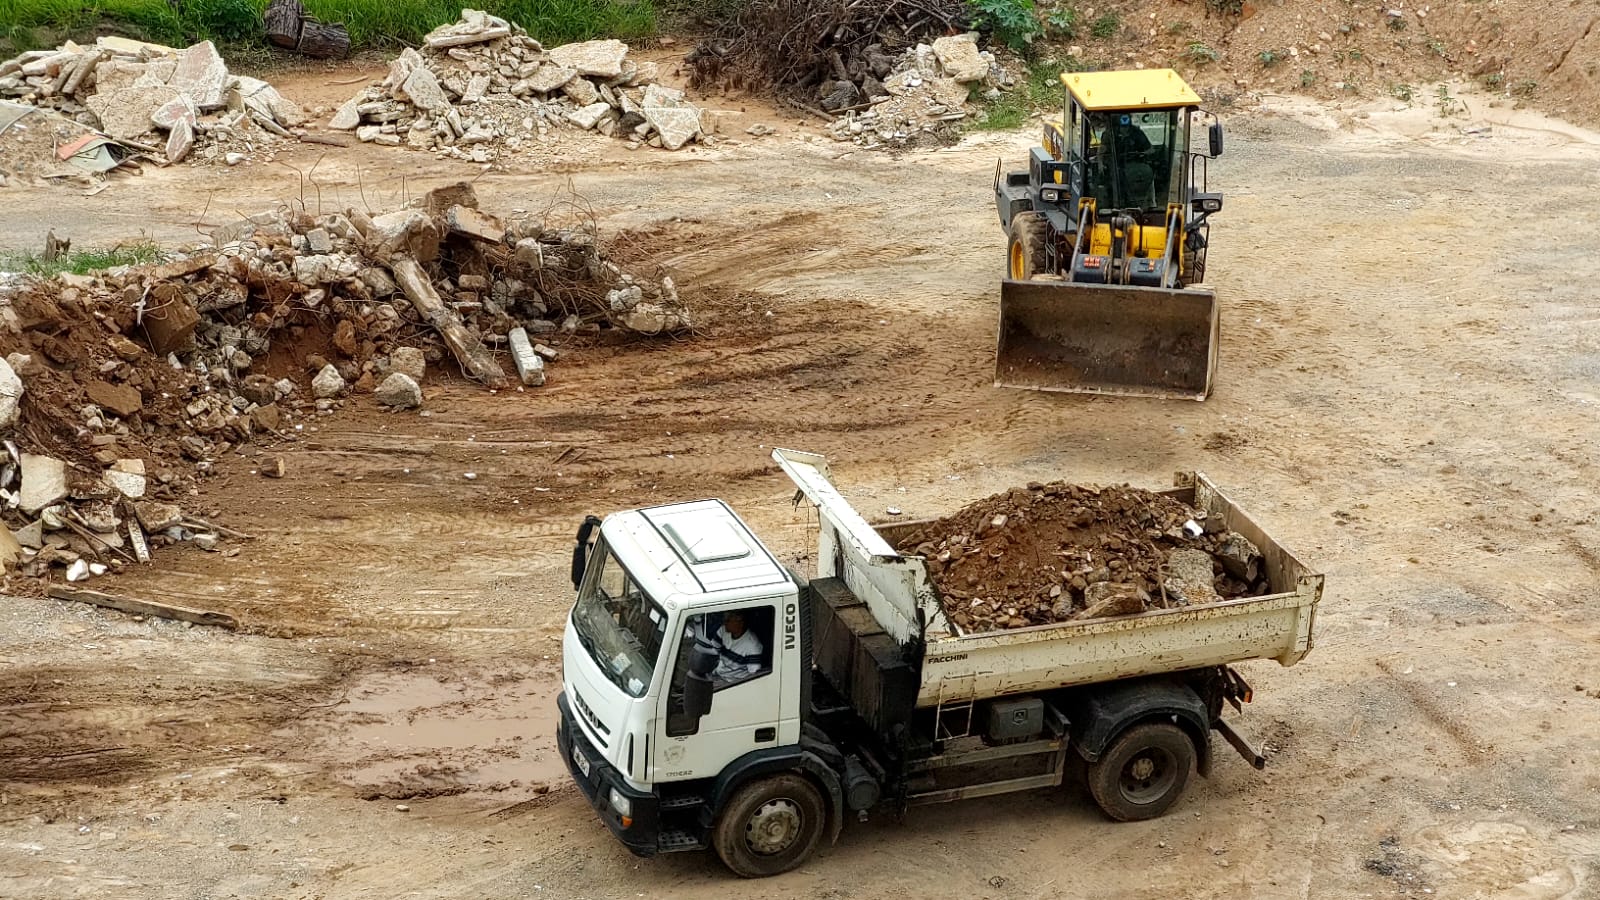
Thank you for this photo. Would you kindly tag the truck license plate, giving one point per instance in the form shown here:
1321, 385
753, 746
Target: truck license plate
581, 760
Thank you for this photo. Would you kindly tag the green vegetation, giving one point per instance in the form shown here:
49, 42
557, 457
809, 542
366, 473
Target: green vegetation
1401, 92
1201, 53
1234, 7
1062, 23
1012, 22
80, 262
1041, 90
1269, 57
372, 23
1106, 26
1307, 78
1524, 88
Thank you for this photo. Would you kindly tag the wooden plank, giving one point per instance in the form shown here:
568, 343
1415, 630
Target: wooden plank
142, 607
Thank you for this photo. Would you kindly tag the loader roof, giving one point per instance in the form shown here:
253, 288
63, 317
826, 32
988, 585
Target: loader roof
1135, 89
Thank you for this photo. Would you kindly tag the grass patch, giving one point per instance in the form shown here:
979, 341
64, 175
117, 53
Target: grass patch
82, 262
372, 23
1040, 90
1106, 26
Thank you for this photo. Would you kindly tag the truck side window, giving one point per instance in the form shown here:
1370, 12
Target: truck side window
742, 642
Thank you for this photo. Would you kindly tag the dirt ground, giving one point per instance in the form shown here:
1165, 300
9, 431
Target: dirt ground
1406, 396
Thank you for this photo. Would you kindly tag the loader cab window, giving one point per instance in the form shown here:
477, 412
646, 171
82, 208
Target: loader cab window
1131, 163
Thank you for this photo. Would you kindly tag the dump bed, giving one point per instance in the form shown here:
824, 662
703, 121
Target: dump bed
957, 666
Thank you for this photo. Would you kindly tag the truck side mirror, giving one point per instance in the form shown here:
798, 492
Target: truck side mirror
1216, 139
697, 695
702, 661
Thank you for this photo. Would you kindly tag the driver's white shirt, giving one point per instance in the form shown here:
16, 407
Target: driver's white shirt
746, 645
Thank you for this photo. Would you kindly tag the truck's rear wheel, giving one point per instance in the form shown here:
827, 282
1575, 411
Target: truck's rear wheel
770, 826
1025, 256
1143, 772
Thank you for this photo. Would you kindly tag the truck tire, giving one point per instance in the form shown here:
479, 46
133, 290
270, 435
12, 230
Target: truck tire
1025, 250
1143, 772
770, 826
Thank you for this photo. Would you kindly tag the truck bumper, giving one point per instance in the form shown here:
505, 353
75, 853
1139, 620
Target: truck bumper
640, 832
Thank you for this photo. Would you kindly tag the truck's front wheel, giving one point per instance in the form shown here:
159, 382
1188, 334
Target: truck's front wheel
770, 826
1143, 772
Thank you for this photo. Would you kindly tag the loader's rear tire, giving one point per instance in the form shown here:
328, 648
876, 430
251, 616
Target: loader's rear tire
770, 826
1143, 772
1025, 256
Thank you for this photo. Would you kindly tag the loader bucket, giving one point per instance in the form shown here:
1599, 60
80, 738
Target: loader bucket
1107, 339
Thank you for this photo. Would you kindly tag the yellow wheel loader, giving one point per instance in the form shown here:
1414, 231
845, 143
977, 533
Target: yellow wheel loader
1108, 231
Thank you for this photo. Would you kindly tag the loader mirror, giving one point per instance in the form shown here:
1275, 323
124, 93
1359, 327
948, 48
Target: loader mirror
1216, 139
697, 690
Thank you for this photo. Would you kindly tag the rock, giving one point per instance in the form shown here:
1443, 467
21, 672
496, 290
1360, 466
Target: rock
624, 299
602, 59
202, 76
179, 142
44, 482
366, 134
549, 78
475, 27
319, 240
530, 367
1108, 599
24, 364
588, 116
582, 91
347, 116
120, 399
233, 159
948, 92
408, 231
400, 391
959, 58
314, 269
127, 477
205, 541
673, 118
425, 91
10, 395
408, 361
31, 535
1240, 558
266, 417
653, 318
169, 114
843, 95
157, 516
78, 570
275, 468
284, 387
378, 281
469, 222
530, 253
328, 384
1189, 578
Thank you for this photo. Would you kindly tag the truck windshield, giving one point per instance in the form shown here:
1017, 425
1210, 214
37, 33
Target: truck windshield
618, 625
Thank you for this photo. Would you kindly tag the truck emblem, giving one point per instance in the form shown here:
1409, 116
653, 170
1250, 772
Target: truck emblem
790, 613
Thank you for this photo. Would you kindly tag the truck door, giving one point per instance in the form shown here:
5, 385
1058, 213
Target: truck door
745, 696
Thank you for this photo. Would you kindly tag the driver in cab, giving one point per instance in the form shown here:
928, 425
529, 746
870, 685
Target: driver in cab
738, 651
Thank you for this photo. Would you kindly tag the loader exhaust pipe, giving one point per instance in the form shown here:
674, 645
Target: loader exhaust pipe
1107, 339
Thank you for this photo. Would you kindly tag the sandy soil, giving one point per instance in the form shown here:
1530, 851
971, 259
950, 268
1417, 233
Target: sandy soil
1406, 396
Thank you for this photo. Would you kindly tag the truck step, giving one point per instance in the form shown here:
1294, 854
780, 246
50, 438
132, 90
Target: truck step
676, 841
682, 801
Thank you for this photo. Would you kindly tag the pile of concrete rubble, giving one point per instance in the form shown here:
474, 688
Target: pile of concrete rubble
482, 85
119, 391
916, 98
166, 101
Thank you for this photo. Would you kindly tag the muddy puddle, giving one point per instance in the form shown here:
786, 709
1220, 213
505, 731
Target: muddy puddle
414, 734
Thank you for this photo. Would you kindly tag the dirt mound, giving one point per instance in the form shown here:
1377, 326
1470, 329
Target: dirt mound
1051, 552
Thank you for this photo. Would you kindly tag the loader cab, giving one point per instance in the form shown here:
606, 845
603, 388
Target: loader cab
1126, 139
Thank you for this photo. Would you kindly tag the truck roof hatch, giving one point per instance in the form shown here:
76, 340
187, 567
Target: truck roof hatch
707, 541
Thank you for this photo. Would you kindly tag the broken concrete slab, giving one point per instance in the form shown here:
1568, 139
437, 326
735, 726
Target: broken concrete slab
408, 231
156, 516
1109, 599
583, 92
469, 222
673, 118
44, 482
409, 361
202, 75
180, 140
550, 78
602, 59
169, 114
959, 57
475, 27
653, 318
425, 91
127, 477
589, 116
125, 114
347, 116
530, 366
11, 390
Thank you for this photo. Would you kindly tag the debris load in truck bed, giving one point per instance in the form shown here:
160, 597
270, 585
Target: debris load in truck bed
1053, 552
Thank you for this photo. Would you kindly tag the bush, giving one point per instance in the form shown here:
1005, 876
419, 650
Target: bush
1013, 22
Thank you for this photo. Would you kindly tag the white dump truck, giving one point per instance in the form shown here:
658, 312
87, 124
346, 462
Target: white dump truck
713, 698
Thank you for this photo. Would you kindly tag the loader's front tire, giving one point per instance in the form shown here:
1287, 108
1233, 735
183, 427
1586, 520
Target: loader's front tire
770, 826
1025, 255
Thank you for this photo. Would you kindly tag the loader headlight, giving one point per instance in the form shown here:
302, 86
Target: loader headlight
1050, 196
621, 804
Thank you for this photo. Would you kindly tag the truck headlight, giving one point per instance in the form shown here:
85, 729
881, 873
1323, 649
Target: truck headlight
621, 804
1050, 196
